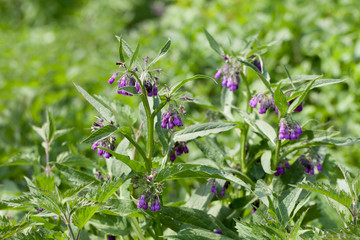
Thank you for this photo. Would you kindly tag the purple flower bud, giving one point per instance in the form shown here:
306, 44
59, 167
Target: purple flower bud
287, 165
218, 74
262, 110
311, 171
299, 108
157, 206
111, 237
152, 207
213, 189
155, 90
100, 152
234, 87
172, 156
319, 167
138, 88
186, 150
145, 206
218, 231
178, 150
225, 57
107, 155
177, 120
171, 123
253, 210
253, 102
224, 81
223, 192
164, 124
94, 146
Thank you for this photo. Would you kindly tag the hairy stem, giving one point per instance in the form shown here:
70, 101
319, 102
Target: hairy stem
245, 131
135, 225
71, 231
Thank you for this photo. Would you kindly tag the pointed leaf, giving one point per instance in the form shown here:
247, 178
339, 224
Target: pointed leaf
299, 100
103, 111
213, 44
134, 55
181, 83
295, 231
201, 130
100, 134
266, 162
260, 75
162, 52
280, 101
134, 165
121, 55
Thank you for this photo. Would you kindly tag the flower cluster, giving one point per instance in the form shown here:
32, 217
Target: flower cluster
266, 102
151, 88
307, 161
170, 119
147, 197
289, 129
177, 150
108, 142
230, 74
280, 170
125, 80
223, 190
151, 193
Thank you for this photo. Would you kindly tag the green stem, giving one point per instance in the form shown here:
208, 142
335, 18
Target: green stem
135, 225
245, 131
71, 231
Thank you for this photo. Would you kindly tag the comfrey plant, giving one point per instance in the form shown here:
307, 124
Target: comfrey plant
252, 169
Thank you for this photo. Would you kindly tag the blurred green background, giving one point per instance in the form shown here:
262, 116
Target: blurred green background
45, 46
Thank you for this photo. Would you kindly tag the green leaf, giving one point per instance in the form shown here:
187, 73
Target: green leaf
50, 130
287, 204
266, 162
260, 75
213, 44
83, 215
329, 191
121, 55
212, 150
181, 83
253, 231
298, 101
121, 207
72, 193
197, 234
100, 134
134, 165
180, 170
280, 101
40, 132
45, 182
180, 218
201, 198
59, 133
113, 225
103, 111
134, 55
162, 52
295, 231
74, 160
129, 89
76, 176
201, 130
22, 159
266, 129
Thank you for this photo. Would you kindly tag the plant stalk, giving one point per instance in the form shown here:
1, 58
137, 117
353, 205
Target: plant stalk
136, 227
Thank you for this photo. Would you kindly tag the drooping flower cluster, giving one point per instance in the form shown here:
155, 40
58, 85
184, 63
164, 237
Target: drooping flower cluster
289, 129
151, 88
308, 162
108, 142
170, 119
230, 73
151, 193
280, 170
266, 102
178, 149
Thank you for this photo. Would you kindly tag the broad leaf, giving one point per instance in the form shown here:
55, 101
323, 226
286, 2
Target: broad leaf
76, 176
100, 134
201, 130
266, 162
134, 165
280, 101
180, 170
329, 191
83, 215
260, 75
104, 111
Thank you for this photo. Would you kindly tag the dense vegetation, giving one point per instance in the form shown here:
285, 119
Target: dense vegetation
212, 163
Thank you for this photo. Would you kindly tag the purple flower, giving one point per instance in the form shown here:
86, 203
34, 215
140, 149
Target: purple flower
94, 146
287, 165
213, 189
113, 77
257, 64
289, 129
218, 231
218, 74
279, 170
155, 204
178, 149
266, 102
222, 193
128, 80
319, 167
107, 155
171, 119
111, 237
